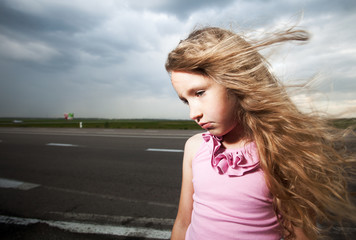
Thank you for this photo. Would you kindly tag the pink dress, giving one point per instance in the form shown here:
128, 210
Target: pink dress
231, 199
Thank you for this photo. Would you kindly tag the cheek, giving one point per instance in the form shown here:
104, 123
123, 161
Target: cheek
219, 108
224, 110
231, 109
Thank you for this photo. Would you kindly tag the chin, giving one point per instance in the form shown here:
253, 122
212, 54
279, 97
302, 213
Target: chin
219, 132
215, 132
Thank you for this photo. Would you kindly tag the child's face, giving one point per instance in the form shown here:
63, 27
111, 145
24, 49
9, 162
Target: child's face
209, 102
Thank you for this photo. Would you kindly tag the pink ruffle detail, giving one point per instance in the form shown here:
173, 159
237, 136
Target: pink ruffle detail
235, 163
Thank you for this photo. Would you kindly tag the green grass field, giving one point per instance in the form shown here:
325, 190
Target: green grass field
99, 123
127, 123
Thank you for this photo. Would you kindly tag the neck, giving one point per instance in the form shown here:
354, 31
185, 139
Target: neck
234, 139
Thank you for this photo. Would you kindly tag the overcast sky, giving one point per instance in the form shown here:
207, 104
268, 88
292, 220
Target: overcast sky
106, 58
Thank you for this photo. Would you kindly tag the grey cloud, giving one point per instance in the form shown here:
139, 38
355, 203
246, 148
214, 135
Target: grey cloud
182, 9
54, 19
106, 58
68, 31
323, 7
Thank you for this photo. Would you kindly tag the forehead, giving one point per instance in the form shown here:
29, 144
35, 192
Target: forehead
185, 79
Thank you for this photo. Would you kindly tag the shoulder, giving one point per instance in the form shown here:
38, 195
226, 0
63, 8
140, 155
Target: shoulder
192, 145
194, 142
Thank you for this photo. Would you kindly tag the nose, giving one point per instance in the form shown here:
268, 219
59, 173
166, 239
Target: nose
195, 114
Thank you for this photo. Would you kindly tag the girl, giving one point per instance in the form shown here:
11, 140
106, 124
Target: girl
263, 169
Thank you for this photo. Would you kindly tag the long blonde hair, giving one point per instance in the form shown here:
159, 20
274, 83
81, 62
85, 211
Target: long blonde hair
303, 171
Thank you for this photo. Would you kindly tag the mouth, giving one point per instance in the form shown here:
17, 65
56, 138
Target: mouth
206, 125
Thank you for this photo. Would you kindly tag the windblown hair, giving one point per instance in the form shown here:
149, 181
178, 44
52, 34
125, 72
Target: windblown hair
303, 171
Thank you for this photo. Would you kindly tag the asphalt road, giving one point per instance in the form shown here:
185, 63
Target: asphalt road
90, 183
129, 178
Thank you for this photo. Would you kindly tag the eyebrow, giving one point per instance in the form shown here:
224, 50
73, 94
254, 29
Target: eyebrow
182, 98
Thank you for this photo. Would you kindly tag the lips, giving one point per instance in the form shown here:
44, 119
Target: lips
205, 125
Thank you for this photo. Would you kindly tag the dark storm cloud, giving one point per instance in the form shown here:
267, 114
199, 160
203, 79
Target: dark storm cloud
106, 58
54, 19
66, 31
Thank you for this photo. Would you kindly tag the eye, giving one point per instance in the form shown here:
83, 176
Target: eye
199, 93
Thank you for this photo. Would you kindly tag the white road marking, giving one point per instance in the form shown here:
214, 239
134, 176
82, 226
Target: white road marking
163, 150
91, 228
8, 183
114, 219
62, 145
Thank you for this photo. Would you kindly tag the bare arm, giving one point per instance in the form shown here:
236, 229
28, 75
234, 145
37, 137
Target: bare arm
186, 196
